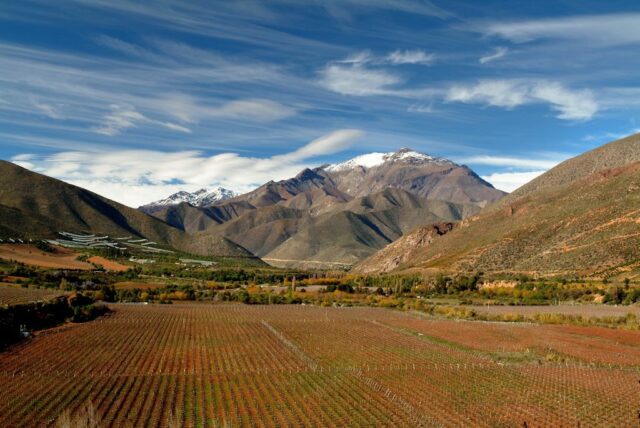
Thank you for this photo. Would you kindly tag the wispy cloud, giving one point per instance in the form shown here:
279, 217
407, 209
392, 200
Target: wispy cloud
346, 9
358, 80
570, 104
497, 53
417, 56
603, 30
49, 110
135, 177
421, 108
123, 117
255, 109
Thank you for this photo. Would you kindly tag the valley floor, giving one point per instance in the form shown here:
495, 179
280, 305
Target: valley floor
240, 365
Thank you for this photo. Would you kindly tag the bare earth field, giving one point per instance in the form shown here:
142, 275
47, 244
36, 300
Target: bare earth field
13, 295
269, 366
108, 264
62, 258
580, 310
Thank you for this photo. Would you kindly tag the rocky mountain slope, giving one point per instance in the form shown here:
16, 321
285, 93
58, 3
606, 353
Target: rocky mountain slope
581, 216
339, 214
199, 198
401, 251
36, 206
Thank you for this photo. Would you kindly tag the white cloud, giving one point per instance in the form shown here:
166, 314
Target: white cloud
119, 119
136, 177
511, 93
253, 109
48, 110
572, 105
497, 53
189, 110
358, 80
327, 144
357, 58
500, 93
510, 181
411, 57
124, 117
421, 108
176, 127
603, 30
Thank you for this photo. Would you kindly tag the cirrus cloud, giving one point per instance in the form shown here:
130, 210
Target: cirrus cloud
497, 53
603, 30
358, 81
123, 117
411, 57
510, 93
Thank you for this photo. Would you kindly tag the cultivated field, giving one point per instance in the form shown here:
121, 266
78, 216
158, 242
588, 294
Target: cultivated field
578, 310
108, 264
61, 258
238, 365
13, 295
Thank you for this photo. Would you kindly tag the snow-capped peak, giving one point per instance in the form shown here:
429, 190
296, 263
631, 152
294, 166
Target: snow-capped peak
199, 198
371, 160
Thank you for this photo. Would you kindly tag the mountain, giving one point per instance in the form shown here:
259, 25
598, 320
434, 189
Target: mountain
583, 216
417, 173
36, 206
343, 237
341, 213
400, 252
199, 198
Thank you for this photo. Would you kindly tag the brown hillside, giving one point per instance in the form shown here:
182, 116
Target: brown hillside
582, 216
33, 205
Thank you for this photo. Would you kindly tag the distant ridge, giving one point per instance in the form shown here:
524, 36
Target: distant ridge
339, 214
199, 198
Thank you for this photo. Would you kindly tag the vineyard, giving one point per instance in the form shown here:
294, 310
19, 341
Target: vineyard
13, 295
268, 366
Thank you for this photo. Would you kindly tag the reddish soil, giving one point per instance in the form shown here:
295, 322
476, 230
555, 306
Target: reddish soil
60, 258
588, 344
580, 310
271, 366
11, 294
108, 264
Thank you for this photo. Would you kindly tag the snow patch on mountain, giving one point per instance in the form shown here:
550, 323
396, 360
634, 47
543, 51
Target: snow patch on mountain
199, 198
371, 160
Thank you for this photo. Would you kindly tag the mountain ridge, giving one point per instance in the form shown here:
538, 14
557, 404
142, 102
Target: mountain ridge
353, 209
582, 216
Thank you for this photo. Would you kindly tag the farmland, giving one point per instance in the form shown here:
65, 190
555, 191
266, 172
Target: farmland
12, 294
285, 365
60, 258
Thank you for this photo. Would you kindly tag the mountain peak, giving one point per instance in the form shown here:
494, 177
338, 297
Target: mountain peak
200, 198
375, 159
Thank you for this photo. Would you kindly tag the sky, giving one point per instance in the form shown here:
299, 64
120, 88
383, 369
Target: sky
137, 100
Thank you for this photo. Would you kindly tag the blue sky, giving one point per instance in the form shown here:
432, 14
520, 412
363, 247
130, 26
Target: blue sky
136, 100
